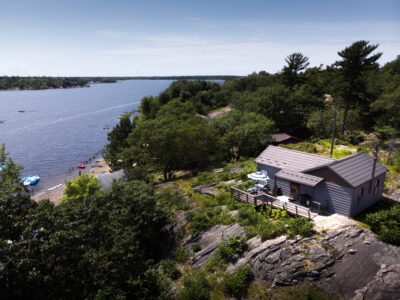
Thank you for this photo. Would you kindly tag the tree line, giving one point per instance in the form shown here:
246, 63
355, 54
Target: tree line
44, 82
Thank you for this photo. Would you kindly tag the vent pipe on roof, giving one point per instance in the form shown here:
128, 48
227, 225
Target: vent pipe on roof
375, 160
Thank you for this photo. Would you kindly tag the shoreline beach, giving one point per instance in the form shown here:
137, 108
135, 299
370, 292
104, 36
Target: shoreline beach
96, 167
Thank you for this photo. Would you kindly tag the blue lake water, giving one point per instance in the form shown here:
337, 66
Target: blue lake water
50, 131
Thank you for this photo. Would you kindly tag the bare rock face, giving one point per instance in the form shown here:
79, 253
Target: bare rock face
210, 240
349, 261
207, 189
385, 285
284, 261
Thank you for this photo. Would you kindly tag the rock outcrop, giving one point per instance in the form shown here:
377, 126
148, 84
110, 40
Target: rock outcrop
350, 262
210, 240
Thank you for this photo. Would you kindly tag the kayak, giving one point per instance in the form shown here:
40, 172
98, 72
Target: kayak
81, 166
55, 187
30, 180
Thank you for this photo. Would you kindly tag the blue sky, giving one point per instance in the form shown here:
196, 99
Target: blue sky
142, 38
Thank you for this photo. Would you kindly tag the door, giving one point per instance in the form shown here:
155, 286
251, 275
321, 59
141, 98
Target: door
294, 191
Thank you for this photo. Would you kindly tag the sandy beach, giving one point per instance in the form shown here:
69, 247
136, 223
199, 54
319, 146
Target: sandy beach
96, 167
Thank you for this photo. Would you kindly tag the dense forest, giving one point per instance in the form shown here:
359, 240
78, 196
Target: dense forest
173, 133
124, 243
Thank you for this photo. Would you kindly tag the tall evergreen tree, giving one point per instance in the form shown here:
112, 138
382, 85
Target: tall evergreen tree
357, 61
295, 63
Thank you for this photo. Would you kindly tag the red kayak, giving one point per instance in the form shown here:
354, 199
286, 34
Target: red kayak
81, 166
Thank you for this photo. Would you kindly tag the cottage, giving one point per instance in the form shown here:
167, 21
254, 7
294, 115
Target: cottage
345, 186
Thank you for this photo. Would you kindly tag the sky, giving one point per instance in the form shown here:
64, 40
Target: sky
173, 37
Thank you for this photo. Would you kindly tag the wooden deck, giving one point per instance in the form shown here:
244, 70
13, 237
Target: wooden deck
265, 199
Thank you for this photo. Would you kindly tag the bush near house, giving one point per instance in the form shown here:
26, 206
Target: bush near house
386, 223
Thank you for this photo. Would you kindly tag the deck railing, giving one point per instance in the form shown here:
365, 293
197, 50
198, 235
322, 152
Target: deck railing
260, 199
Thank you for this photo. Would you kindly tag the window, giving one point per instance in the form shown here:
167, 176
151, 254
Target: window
360, 195
376, 186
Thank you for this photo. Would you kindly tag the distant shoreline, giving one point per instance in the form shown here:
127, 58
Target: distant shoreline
83, 82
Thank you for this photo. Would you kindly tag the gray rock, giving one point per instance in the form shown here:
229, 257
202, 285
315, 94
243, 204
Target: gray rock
314, 273
356, 233
385, 285
210, 240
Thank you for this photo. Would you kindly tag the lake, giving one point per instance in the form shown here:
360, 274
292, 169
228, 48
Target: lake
50, 131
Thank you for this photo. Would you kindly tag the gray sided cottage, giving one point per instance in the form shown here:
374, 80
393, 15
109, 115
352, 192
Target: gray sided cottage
345, 186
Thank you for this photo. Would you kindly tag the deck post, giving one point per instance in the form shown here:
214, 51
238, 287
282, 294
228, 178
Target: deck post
297, 213
309, 214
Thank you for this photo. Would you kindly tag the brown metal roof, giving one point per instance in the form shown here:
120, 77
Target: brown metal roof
284, 158
298, 177
357, 169
281, 137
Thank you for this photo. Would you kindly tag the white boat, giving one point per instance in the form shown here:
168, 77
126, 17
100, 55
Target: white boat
55, 187
30, 180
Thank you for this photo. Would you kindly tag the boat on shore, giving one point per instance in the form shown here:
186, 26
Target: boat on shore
30, 180
81, 166
55, 187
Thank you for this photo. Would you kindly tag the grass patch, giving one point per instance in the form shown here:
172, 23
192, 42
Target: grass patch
270, 223
302, 146
202, 220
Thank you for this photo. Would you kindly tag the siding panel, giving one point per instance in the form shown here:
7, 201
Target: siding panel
284, 185
335, 198
369, 197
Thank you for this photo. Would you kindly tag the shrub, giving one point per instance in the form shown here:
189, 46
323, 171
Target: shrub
395, 160
181, 254
171, 199
196, 247
236, 283
195, 287
300, 226
386, 223
233, 246
168, 268
269, 230
247, 215
204, 178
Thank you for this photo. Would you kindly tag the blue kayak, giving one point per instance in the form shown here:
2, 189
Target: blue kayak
30, 180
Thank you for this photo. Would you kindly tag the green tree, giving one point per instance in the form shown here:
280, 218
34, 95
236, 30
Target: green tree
295, 63
170, 144
81, 187
107, 245
243, 134
117, 139
357, 61
15, 202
